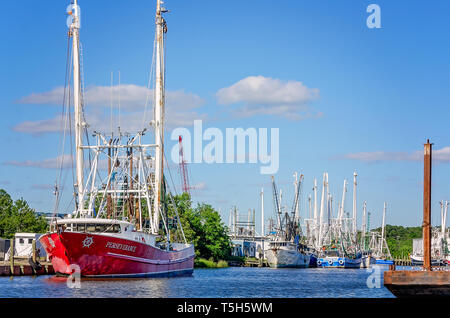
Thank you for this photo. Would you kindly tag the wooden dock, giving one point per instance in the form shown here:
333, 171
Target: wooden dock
249, 263
402, 262
256, 263
22, 267
430, 281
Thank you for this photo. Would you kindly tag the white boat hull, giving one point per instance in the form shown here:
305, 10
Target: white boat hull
279, 258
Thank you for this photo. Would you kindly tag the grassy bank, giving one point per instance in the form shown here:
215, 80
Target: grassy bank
204, 263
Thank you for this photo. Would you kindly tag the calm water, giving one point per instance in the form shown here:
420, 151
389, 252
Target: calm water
228, 282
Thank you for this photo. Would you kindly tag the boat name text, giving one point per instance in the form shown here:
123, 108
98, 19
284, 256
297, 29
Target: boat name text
119, 246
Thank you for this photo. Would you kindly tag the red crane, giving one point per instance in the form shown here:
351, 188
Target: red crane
183, 169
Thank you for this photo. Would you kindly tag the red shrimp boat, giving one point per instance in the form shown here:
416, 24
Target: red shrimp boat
112, 249
115, 228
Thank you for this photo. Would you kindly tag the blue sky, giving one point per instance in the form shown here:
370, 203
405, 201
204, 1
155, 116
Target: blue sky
381, 92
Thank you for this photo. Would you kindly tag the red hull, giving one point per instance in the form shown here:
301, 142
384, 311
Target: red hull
109, 256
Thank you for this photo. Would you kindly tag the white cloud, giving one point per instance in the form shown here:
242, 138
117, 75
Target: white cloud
261, 95
52, 163
42, 187
439, 155
54, 97
132, 97
39, 126
200, 186
180, 108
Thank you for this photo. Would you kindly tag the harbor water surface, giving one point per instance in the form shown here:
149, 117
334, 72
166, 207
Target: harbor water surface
232, 282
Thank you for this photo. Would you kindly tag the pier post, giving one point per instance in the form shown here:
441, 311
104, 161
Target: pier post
33, 246
426, 226
11, 256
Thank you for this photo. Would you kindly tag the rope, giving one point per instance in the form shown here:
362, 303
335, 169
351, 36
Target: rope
149, 84
63, 133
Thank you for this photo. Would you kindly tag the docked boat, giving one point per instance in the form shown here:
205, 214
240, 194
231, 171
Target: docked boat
312, 259
417, 260
384, 262
118, 224
284, 248
439, 249
337, 259
287, 254
367, 260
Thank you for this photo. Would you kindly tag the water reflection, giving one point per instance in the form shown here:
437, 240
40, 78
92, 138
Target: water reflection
228, 282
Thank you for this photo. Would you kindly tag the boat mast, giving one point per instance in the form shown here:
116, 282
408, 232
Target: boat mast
316, 224
382, 229
355, 230
159, 112
262, 212
444, 208
363, 234
321, 217
78, 111
295, 196
341, 212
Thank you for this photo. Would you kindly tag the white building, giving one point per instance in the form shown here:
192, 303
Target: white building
23, 245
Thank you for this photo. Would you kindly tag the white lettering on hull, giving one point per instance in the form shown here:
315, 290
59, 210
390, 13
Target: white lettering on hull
122, 247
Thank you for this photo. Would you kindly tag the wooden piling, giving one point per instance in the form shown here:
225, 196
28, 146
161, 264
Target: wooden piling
11, 256
429, 282
33, 246
426, 225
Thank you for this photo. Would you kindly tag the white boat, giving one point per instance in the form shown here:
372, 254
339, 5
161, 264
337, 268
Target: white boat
286, 254
285, 249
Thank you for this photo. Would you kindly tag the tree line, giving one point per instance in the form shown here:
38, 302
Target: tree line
18, 216
400, 239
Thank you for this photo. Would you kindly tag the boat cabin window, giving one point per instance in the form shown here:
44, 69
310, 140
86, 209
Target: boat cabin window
21, 241
30, 241
108, 228
90, 227
332, 253
115, 228
100, 227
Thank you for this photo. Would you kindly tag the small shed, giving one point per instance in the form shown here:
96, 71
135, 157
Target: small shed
23, 245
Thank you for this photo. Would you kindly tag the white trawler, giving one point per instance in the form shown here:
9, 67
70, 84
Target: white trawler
285, 249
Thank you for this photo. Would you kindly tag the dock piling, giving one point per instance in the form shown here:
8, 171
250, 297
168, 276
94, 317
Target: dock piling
426, 228
11, 256
33, 246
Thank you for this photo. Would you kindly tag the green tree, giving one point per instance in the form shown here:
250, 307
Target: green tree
203, 227
399, 239
17, 216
